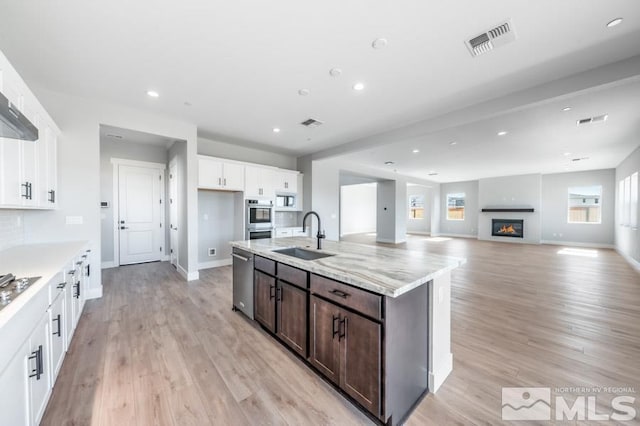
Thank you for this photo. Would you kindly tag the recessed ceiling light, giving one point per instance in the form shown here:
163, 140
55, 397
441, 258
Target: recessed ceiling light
453, 143
565, 109
388, 163
614, 23
432, 173
303, 92
358, 86
153, 93
188, 104
415, 151
502, 133
566, 154
276, 130
379, 43
335, 72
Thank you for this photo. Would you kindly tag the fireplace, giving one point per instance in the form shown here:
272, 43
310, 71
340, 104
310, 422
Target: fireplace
507, 228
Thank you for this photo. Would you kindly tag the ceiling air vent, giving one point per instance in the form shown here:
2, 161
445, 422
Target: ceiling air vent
311, 122
597, 119
489, 40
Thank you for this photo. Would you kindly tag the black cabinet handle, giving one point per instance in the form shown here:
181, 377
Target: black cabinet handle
89, 270
26, 190
39, 370
57, 333
77, 285
343, 329
339, 293
334, 329
279, 294
61, 286
52, 196
271, 296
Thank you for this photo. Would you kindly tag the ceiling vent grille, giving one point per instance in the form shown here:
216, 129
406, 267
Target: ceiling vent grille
589, 120
497, 36
311, 123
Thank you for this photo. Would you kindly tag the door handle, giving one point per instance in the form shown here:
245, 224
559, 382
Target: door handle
271, 296
237, 256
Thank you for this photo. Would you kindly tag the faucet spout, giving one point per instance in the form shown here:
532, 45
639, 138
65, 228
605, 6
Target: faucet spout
320, 234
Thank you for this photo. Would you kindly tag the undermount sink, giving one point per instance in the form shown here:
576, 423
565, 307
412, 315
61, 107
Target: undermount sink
301, 253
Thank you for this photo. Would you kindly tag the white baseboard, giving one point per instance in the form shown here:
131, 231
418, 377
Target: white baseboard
437, 378
358, 232
419, 233
442, 234
165, 258
94, 293
389, 241
109, 264
576, 244
634, 263
214, 263
189, 276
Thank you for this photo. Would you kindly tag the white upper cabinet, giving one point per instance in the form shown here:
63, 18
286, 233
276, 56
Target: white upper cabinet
286, 181
214, 173
28, 169
259, 182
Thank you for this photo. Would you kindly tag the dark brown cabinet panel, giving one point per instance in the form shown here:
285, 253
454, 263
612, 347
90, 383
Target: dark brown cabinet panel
324, 344
292, 316
360, 352
265, 300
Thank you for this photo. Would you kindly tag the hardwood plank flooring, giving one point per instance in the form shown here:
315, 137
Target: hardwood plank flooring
156, 350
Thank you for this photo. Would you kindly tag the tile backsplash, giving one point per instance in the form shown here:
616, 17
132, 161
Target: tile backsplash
285, 219
11, 228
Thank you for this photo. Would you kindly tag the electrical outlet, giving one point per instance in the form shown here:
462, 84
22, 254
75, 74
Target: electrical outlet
212, 252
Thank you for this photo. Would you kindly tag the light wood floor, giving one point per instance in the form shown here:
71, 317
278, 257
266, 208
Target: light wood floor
157, 350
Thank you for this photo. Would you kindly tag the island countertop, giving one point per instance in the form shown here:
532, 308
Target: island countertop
387, 271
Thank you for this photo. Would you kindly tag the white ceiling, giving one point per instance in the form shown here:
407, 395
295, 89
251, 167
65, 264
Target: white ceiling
241, 63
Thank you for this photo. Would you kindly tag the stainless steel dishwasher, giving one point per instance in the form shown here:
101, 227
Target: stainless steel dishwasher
243, 281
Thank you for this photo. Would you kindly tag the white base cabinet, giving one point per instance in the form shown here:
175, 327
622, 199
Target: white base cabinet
38, 364
14, 380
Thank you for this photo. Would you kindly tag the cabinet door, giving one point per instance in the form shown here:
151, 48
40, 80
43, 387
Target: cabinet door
12, 187
361, 360
251, 181
286, 182
265, 300
209, 173
13, 381
78, 293
52, 168
292, 316
267, 179
47, 167
57, 326
29, 160
233, 177
69, 291
324, 345
38, 364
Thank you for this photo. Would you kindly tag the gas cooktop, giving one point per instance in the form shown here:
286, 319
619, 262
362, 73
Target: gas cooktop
12, 287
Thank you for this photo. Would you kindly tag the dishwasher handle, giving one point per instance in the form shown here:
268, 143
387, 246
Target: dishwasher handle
237, 256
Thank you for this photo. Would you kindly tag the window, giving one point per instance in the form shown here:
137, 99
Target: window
621, 202
455, 206
626, 204
416, 206
634, 200
585, 204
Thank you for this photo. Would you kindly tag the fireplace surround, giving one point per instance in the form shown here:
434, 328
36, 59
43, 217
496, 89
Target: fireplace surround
513, 228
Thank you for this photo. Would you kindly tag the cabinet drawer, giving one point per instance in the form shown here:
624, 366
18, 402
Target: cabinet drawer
265, 265
292, 275
360, 300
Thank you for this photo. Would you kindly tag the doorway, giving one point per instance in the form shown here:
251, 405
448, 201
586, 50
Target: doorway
139, 207
173, 212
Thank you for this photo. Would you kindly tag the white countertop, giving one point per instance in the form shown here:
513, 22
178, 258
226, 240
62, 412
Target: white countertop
36, 260
387, 271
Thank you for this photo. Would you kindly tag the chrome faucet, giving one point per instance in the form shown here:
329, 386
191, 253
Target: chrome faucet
320, 234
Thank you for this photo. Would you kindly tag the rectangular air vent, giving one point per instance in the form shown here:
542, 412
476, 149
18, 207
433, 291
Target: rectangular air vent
311, 122
495, 37
597, 119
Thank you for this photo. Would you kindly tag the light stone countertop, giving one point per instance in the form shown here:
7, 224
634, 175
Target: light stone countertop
386, 271
36, 260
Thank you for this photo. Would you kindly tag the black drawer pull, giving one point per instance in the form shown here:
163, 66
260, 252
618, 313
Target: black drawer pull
272, 294
39, 370
61, 286
57, 333
339, 293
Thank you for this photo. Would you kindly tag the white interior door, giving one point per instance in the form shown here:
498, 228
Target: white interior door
173, 213
140, 214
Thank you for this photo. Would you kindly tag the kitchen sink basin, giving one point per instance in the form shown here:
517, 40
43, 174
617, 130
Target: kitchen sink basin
301, 253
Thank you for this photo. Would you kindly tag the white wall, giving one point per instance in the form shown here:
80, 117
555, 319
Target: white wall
555, 224
130, 151
468, 226
216, 225
511, 191
420, 226
11, 228
627, 239
358, 208
79, 173
242, 153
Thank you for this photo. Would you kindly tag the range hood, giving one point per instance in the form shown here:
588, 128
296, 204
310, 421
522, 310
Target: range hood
13, 124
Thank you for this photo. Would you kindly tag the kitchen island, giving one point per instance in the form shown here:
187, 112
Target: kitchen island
374, 321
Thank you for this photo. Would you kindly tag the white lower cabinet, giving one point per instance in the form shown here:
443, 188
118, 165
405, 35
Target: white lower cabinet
38, 370
14, 381
57, 317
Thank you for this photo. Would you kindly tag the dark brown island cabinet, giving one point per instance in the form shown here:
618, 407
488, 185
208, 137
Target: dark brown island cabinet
373, 348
